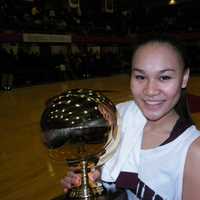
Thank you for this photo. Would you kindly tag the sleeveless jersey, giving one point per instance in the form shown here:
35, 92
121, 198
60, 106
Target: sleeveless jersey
155, 173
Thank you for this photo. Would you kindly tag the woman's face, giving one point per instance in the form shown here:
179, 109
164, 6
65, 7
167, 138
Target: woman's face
157, 79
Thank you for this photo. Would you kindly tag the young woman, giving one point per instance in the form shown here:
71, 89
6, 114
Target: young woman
158, 156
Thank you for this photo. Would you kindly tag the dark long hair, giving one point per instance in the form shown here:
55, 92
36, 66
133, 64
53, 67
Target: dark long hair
182, 106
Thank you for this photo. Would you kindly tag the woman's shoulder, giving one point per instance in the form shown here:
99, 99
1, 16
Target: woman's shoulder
193, 154
191, 172
194, 151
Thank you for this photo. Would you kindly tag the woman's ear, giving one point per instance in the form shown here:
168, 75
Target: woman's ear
186, 76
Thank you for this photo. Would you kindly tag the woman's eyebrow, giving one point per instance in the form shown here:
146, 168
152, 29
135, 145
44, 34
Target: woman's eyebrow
138, 70
161, 71
167, 70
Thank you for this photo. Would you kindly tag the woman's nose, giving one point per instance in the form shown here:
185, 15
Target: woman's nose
151, 88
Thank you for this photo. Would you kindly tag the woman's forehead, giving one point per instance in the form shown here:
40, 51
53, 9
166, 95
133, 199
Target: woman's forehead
156, 45
156, 52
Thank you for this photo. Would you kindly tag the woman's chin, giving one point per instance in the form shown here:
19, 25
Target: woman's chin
153, 115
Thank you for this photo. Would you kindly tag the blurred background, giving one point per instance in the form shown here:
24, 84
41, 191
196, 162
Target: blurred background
44, 41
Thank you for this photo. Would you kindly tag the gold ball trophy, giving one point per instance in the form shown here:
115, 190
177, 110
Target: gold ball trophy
78, 126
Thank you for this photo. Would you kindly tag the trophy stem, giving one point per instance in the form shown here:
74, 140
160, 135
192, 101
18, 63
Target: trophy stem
86, 192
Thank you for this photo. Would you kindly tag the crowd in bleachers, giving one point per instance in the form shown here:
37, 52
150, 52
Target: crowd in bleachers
25, 68
24, 16
21, 15
29, 68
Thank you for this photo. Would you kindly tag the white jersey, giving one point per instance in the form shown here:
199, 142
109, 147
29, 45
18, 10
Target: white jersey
155, 173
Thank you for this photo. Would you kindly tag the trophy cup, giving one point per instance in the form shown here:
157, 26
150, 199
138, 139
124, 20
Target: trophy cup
78, 126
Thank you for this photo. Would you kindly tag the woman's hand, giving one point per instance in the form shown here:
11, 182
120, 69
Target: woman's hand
73, 178
70, 181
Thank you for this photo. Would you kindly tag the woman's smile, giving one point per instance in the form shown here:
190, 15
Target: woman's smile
153, 104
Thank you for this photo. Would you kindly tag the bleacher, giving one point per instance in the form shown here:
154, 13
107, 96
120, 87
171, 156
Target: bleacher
85, 24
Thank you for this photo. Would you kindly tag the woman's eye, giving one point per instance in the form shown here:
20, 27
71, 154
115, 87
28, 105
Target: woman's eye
163, 78
139, 77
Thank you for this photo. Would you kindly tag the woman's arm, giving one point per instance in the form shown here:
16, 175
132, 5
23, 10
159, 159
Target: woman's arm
191, 180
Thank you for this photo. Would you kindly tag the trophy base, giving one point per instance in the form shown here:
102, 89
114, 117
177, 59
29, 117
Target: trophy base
120, 194
65, 197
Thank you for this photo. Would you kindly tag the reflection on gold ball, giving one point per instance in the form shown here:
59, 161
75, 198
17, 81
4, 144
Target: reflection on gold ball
78, 124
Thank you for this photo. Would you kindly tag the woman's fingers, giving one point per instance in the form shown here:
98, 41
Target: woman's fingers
94, 174
73, 179
70, 181
66, 185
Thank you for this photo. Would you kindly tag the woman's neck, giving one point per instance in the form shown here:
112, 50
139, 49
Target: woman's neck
165, 123
156, 132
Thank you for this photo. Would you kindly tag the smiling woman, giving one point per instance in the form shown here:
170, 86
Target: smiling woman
157, 83
153, 129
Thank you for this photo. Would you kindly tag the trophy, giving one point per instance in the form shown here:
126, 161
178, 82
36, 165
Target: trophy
79, 125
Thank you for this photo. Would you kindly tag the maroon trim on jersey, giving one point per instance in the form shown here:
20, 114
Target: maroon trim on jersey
180, 126
128, 180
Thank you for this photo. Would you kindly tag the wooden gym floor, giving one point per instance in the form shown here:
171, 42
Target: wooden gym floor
26, 172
